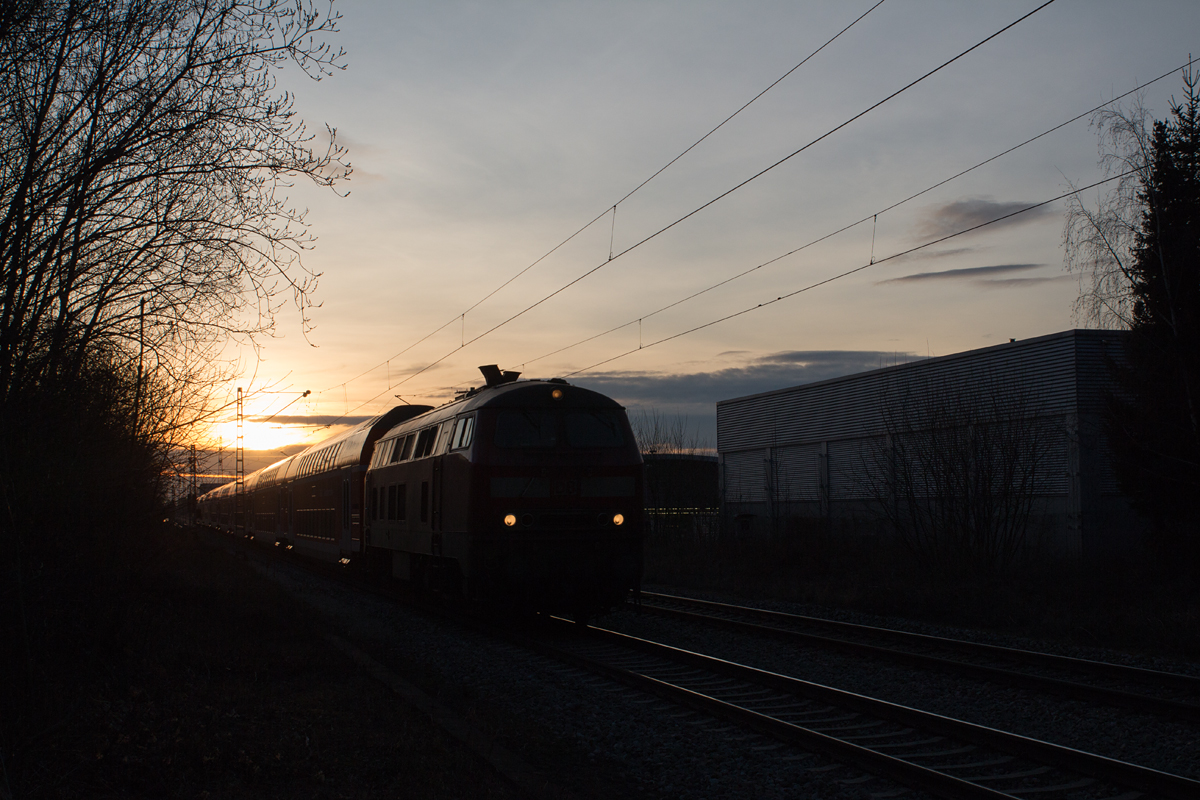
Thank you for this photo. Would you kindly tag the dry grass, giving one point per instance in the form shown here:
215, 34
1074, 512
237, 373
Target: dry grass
212, 683
1137, 602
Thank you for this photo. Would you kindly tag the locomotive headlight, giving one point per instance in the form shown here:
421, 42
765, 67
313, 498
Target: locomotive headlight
618, 519
510, 519
556, 394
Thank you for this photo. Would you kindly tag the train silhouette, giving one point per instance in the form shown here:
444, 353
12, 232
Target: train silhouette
525, 490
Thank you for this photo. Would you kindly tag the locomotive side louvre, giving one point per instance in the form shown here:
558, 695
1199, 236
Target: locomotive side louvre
405, 484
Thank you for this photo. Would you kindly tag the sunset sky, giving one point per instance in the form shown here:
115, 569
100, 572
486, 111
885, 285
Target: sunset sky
482, 135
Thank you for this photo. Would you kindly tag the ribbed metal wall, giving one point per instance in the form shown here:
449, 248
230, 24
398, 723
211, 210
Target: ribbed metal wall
796, 476
770, 444
1098, 354
1044, 369
850, 468
745, 478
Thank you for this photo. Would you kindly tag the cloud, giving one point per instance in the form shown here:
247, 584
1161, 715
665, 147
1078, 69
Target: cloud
963, 214
702, 390
928, 255
694, 395
360, 175
965, 272
1019, 282
356, 146
316, 419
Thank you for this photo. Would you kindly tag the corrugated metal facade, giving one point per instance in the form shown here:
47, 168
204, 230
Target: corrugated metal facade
815, 449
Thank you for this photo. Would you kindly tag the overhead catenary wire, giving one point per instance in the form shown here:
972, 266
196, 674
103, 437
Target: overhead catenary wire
613, 208
849, 272
716, 199
869, 217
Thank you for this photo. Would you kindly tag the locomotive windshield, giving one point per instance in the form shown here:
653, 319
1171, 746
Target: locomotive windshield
546, 428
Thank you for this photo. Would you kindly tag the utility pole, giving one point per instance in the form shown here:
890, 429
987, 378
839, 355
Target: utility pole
239, 469
137, 398
194, 489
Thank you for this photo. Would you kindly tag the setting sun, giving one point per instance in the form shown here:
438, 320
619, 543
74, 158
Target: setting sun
265, 436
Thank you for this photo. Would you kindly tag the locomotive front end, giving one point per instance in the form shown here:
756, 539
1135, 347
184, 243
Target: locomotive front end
558, 490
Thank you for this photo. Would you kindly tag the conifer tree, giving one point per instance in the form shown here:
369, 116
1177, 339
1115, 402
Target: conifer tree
1154, 424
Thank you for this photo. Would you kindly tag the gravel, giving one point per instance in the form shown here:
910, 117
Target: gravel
590, 736
1139, 738
596, 738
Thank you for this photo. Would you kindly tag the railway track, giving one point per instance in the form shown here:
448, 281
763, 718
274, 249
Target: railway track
919, 750
1062, 675
929, 752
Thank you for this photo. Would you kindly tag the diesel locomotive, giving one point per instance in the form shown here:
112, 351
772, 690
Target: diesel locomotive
527, 490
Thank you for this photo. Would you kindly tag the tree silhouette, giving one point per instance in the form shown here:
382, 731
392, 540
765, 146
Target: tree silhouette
960, 469
1142, 249
145, 154
144, 162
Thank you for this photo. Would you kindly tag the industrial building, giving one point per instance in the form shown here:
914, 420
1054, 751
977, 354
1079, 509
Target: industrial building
1021, 417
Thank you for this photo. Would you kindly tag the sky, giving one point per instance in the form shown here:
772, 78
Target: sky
482, 135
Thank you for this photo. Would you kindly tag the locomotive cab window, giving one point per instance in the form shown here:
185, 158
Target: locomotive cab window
523, 428
599, 428
577, 428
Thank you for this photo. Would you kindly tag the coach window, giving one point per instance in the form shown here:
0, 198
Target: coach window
408, 446
392, 502
424, 501
425, 441
374, 502
446, 439
462, 433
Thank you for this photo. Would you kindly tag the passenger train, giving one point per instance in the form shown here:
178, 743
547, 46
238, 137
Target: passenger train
528, 490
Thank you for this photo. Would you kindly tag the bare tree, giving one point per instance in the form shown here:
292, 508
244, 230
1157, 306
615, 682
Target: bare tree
1099, 241
959, 471
1140, 250
658, 435
145, 154
145, 157
681, 487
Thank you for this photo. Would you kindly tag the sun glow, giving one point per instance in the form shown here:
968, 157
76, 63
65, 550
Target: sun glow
265, 435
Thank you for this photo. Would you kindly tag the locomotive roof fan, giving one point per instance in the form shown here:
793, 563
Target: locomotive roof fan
494, 377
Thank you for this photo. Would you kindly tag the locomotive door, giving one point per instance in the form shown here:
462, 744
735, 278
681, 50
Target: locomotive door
435, 520
347, 543
435, 507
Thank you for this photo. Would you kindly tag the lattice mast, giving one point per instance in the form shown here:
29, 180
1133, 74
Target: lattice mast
239, 469
194, 485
